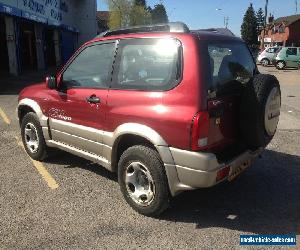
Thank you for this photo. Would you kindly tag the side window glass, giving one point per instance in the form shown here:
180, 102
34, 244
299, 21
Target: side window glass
91, 68
291, 51
148, 64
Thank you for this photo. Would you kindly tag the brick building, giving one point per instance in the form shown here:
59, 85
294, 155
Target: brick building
283, 31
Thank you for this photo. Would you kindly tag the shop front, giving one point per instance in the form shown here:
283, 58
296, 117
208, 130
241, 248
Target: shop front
38, 34
4, 68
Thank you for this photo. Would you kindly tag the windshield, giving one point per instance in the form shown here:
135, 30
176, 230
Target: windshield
231, 64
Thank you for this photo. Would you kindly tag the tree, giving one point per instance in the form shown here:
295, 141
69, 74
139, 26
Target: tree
119, 13
159, 14
260, 16
139, 15
140, 3
134, 12
249, 27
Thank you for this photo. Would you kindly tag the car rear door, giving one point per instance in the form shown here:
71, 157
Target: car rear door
77, 111
231, 68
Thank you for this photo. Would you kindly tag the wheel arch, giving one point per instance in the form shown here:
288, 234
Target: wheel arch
22, 111
131, 134
265, 58
28, 105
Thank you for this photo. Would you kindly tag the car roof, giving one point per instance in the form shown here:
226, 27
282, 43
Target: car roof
214, 35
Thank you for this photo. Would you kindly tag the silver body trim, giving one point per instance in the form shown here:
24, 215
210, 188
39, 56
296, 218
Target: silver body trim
195, 160
81, 153
77, 142
185, 170
74, 129
199, 170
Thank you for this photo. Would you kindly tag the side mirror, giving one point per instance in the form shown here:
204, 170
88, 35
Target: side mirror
51, 82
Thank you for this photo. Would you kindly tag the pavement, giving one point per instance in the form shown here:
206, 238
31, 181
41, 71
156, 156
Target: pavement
70, 203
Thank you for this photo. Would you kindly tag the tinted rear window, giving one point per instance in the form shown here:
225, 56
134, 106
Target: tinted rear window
231, 65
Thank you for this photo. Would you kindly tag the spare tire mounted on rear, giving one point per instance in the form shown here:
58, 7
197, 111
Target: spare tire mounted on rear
260, 110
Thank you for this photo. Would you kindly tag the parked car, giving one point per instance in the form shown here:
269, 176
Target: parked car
288, 57
267, 57
166, 108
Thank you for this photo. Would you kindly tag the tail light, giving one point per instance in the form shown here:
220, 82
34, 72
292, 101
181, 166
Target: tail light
222, 173
200, 130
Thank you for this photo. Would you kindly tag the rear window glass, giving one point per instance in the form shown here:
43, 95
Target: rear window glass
230, 64
148, 64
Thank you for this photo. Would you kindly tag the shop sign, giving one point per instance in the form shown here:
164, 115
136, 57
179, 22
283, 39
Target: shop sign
34, 17
9, 10
53, 9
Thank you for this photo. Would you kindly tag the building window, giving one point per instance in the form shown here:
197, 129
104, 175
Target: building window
281, 29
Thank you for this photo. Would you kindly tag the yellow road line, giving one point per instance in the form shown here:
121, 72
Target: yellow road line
41, 169
4, 116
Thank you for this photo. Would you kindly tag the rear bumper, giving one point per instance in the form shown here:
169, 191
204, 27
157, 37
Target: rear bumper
199, 170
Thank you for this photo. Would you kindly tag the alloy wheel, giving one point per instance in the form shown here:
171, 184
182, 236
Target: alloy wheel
139, 183
31, 137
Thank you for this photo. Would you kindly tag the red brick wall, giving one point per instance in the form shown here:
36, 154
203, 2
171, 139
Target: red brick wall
278, 37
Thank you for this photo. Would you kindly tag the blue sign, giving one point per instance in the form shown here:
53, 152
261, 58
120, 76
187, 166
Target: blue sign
34, 6
10, 10
34, 17
268, 240
56, 16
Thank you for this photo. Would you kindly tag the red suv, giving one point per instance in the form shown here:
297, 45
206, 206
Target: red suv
167, 108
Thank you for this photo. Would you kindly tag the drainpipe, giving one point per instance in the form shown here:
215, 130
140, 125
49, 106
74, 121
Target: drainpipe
265, 25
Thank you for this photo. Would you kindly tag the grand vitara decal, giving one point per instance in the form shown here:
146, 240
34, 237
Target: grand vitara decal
59, 114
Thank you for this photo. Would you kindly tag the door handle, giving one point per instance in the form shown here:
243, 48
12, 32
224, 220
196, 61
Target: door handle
93, 99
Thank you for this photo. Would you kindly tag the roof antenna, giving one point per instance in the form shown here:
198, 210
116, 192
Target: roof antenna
296, 3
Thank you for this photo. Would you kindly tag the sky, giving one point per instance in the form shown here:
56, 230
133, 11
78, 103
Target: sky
200, 14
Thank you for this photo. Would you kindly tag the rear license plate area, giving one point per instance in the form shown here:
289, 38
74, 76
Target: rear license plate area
236, 170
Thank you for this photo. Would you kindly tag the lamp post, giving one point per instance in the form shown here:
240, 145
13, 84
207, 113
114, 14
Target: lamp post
226, 18
265, 25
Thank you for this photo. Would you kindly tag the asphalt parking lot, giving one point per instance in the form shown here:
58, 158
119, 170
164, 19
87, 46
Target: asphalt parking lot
70, 203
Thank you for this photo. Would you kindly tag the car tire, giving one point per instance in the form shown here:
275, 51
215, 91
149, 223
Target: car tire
260, 110
265, 62
33, 138
280, 65
141, 168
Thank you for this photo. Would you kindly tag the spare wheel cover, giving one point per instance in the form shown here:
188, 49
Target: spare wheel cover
272, 111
